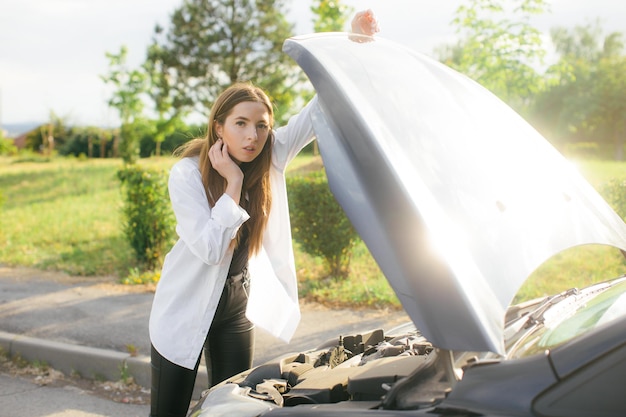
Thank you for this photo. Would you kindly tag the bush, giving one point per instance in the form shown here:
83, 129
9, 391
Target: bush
78, 140
148, 218
7, 147
586, 150
147, 146
137, 277
614, 192
319, 224
129, 143
28, 156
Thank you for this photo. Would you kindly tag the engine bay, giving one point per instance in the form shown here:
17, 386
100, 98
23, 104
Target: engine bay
364, 368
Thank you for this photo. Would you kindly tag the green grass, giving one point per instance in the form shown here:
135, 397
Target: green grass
365, 287
574, 268
599, 173
580, 266
64, 214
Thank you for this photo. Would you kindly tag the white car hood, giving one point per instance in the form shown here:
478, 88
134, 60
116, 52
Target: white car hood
456, 196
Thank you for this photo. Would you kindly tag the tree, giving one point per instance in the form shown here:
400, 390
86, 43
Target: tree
214, 43
90, 141
584, 102
610, 112
46, 137
51, 133
169, 111
127, 98
7, 147
330, 15
498, 52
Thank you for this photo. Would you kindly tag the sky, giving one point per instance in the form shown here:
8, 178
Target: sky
52, 52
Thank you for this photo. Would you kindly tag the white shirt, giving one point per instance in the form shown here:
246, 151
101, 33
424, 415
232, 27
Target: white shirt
195, 270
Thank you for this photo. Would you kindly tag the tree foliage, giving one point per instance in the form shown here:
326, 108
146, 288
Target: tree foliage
609, 115
584, 102
129, 86
48, 137
127, 98
88, 141
211, 44
168, 110
7, 147
498, 47
330, 15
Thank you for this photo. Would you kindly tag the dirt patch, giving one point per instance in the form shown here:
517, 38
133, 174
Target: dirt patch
126, 392
21, 273
107, 283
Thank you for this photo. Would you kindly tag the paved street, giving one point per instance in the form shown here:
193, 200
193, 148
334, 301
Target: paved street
79, 323
20, 397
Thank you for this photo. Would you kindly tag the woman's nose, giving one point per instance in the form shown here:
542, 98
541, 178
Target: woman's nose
252, 134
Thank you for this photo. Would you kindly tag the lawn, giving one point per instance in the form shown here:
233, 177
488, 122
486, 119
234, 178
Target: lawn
64, 215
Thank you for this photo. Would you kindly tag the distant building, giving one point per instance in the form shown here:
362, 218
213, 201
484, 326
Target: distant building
20, 141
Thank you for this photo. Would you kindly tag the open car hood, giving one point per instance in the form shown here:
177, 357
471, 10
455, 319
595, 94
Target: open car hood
456, 196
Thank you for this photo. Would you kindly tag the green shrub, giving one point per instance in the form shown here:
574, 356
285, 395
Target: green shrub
7, 147
137, 277
587, 150
27, 156
614, 192
148, 219
319, 224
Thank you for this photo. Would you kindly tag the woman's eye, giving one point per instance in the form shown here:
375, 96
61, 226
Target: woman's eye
263, 127
240, 123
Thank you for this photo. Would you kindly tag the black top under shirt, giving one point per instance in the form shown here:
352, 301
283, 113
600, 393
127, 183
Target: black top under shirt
240, 257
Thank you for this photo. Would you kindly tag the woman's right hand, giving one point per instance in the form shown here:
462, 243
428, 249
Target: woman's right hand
227, 168
365, 23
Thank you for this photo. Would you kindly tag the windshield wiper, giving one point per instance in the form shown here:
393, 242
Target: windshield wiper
536, 317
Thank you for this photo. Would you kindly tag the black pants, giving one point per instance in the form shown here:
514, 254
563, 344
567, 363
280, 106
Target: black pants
228, 350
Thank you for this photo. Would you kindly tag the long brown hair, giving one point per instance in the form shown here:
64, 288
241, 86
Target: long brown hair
256, 196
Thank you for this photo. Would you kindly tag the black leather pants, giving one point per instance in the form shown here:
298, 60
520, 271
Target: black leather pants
228, 349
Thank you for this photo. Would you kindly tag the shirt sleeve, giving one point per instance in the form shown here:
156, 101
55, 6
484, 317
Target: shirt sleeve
295, 135
207, 232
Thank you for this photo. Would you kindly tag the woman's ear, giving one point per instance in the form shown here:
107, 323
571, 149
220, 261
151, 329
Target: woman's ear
219, 129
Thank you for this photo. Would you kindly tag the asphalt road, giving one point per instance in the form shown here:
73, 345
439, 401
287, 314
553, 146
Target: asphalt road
56, 311
21, 397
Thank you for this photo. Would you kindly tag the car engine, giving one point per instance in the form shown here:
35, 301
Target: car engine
365, 368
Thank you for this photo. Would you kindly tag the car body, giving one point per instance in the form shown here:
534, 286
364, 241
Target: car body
459, 200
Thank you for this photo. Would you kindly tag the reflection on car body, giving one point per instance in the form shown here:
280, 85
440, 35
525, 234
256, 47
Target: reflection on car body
459, 200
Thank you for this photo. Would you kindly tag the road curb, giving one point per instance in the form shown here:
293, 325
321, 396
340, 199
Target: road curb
86, 361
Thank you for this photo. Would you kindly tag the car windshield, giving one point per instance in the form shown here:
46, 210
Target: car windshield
572, 317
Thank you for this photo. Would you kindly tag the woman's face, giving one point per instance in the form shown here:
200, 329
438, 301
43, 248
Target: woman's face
245, 130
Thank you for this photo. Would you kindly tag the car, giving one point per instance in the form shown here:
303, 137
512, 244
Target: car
459, 200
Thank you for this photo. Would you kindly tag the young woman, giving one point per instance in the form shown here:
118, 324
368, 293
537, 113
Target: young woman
233, 263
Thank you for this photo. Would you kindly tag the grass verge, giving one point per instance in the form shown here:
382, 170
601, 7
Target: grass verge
64, 214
